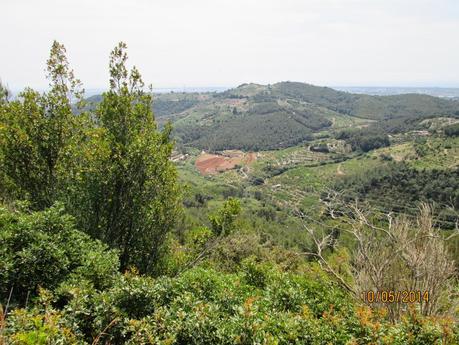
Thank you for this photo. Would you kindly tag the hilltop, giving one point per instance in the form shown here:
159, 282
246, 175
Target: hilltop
260, 117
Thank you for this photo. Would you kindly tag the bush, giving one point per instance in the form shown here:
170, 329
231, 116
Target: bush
43, 249
256, 274
203, 306
35, 327
223, 221
179, 255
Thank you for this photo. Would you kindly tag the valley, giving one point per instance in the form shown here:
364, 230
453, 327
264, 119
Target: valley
281, 148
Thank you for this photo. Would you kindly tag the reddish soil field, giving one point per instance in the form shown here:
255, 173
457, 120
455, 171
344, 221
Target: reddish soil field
210, 164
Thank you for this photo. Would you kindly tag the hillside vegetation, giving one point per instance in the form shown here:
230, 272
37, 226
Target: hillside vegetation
341, 229
258, 117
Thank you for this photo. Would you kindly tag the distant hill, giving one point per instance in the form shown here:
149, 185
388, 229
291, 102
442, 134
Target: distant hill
366, 106
443, 92
261, 117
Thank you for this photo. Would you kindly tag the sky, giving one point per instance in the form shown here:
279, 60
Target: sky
200, 43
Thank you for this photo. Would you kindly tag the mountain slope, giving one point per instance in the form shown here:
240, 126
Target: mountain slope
261, 117
366, 106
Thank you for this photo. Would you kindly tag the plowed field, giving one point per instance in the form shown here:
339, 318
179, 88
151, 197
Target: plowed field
208, 163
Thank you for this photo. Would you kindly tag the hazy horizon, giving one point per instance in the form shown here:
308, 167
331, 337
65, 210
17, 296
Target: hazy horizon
210, 88
442, 92
198, 43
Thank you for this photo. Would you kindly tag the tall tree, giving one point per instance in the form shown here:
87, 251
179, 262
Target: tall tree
132, 196
35, 130
4, 93
110, 167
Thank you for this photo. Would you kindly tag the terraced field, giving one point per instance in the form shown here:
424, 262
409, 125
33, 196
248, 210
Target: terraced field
296, 176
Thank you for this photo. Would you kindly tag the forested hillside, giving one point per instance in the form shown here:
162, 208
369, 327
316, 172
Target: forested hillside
115, 227
259, 117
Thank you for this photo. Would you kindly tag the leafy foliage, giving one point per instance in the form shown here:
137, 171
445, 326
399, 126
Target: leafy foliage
128, 196
43, 249
231, 271
204, 306
35, 133
223, 221
109, 166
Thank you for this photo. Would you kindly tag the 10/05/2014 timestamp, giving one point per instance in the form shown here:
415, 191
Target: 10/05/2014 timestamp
389, 296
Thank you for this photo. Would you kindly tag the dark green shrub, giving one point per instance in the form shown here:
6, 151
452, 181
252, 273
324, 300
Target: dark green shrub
43, 249
256, 274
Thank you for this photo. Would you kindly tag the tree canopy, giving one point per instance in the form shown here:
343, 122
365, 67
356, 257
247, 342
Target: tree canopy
109, 166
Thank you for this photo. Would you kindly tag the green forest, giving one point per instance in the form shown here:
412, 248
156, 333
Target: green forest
342, 230
266, 117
